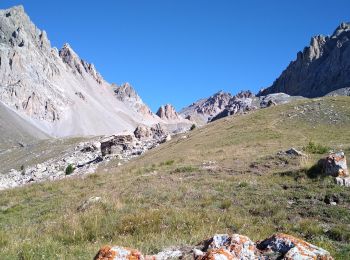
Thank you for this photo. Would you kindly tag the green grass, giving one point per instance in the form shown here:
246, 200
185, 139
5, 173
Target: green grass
314, 148
166, 198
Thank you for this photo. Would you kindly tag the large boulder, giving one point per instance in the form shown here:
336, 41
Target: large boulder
118, 253
157, 132
335, 165
230, 247
227, 247
115, 144
287, 247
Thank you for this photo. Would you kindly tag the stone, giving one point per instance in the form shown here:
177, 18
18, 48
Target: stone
335, 165
295, 152
289, 247
118, 253
231, 247
115, 144
143, 132
88, 203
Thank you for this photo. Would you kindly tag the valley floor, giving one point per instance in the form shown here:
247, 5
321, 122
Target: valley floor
227, 177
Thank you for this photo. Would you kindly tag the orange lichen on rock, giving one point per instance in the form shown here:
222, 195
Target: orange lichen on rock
118, 253
229, 247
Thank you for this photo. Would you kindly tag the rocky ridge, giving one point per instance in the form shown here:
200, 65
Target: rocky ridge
321, 68
226, 247
223, 104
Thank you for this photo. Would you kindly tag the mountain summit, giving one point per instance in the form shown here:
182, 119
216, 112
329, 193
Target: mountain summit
57, 91
319, 69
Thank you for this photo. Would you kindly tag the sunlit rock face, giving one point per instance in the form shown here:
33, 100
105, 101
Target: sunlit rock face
319, 69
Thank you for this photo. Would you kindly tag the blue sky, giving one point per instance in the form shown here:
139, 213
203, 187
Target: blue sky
179, 51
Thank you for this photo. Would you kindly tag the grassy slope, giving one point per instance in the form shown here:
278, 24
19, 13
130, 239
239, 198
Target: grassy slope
166, 198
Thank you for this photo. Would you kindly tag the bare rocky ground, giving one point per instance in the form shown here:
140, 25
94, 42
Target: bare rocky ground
38, 162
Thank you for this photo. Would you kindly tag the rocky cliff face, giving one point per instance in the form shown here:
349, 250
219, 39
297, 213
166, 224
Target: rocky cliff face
127, 94
321, 68
56, 90
204, 109
167, 112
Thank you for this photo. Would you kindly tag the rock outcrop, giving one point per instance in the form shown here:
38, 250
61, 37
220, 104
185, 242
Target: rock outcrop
239, 103
204, 109
156, 132
167, 112
226, 247
319, 69
335, 165
127, 94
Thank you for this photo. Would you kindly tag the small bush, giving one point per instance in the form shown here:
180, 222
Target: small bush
243, 184
185, 169
167, 163
192, 127
314, 148
225, 204
70, 169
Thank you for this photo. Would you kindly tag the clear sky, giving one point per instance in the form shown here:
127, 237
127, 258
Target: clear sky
177, 51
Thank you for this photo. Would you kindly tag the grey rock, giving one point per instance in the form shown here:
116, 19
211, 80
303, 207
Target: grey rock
88, 203
321, 68
167, 112
335, 165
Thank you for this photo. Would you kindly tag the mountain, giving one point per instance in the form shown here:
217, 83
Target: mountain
58, 92
319, 69
204, 109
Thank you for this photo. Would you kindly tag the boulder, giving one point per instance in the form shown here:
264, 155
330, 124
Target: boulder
88, 203
227, 247
115, 144
143, 132
335, 165
230, 247
118, 253
293, 151
287, 247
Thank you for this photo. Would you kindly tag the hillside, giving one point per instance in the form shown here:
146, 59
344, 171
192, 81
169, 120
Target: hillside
319, 69
228, 176
15, 130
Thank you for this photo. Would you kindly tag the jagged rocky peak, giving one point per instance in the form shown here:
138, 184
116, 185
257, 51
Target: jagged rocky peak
343, 27
128, 95
69, 57
319, 69
167, 112
17, 30
126, 92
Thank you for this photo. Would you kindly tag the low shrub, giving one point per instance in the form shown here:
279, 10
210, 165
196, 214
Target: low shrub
70, 169
314, 148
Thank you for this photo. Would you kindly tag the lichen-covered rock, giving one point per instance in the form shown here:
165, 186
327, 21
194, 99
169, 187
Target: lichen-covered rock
335, 165
229, 247
118, 253
291, 248
235, 247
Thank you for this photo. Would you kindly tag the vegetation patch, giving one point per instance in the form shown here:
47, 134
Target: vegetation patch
315, 148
